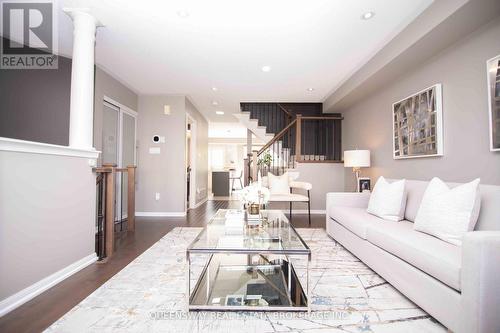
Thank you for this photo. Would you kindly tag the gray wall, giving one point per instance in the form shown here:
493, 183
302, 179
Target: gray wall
106, 85
46, 216
462, 71
163, 173
34, 104
201, 151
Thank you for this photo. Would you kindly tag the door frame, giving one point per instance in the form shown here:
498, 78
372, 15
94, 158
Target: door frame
122, 109
192, 158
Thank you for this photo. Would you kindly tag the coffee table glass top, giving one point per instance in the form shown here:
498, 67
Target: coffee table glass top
227, 231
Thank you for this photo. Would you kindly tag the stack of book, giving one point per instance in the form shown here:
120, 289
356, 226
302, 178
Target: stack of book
253, 219
234, 221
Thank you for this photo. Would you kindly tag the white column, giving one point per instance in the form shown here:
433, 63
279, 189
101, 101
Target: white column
81, 120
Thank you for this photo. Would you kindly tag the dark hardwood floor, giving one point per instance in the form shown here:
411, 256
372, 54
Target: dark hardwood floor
39, 313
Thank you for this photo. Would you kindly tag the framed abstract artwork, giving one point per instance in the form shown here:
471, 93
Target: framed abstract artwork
493, 67
417, 123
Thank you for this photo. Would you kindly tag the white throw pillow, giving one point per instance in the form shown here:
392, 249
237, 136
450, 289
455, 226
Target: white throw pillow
449, 213
279, 184
388, 200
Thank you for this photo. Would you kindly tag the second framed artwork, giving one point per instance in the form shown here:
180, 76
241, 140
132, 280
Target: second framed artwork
417, 122
493, 70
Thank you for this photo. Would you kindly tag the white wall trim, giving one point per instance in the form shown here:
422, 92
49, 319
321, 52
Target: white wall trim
39, 287
161, 214
304, 211
200, 203
23, 146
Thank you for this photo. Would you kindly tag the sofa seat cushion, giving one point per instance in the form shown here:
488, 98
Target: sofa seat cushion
435, 257
356, 220
289, 197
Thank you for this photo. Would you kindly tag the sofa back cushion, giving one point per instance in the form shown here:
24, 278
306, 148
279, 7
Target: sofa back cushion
388, 200
489, 214
448, 213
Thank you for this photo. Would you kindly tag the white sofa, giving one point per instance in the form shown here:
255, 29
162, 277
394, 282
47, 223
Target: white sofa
458, 286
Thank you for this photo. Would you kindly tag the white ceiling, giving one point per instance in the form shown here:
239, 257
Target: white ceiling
222, 130
224, 43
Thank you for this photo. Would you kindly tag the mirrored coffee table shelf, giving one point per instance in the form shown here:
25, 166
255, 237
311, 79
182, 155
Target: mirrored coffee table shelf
248, 268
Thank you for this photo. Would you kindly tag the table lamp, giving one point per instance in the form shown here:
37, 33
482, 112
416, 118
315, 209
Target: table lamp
357, 159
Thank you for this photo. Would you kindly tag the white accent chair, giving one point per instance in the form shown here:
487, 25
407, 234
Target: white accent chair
293, 197
457, 285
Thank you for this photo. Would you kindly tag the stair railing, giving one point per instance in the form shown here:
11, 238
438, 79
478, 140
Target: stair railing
273, 116
106, 205
306, 139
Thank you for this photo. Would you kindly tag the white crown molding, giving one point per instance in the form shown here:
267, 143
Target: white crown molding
161, 214
22, 146
39, 287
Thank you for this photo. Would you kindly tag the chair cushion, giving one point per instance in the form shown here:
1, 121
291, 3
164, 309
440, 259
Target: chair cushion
279, 184
356, 220
435, 257
289, 197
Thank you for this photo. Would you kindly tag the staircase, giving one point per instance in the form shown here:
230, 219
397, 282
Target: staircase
254, 127
304, 139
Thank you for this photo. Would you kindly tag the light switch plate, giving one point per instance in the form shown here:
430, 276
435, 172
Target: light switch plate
154, 150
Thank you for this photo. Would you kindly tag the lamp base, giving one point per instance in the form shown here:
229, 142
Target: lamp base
357, 172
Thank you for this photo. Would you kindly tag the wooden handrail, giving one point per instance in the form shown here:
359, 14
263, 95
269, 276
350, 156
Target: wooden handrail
285, 110
102, 170
322, 118
277, 137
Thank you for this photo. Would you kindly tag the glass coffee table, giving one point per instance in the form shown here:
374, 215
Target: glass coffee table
248, 267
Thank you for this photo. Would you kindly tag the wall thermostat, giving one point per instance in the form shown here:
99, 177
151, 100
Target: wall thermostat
158, 139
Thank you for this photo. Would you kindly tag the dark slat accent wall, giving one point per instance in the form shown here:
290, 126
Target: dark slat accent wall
319, 137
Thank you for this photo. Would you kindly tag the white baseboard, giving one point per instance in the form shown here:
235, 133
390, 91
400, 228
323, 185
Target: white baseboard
304, 211
27, 294
161, 214
199, 203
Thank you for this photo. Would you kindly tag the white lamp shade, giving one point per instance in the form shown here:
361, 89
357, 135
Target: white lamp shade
356, 158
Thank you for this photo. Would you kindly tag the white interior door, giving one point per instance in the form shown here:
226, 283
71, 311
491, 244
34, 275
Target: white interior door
110, 134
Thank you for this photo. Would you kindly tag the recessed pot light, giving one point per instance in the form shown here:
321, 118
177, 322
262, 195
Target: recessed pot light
183, 13
215, 103
367, 15
266, 68
214, 89
220, 113
310, 89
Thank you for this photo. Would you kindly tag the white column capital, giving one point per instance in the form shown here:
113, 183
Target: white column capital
83, 15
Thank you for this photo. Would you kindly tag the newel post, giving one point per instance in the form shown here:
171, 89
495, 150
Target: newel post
131, 197
298, 138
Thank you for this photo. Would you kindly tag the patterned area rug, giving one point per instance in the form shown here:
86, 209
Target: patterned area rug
149, 296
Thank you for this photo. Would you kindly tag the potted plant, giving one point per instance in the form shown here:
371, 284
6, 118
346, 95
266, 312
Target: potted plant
265, 160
